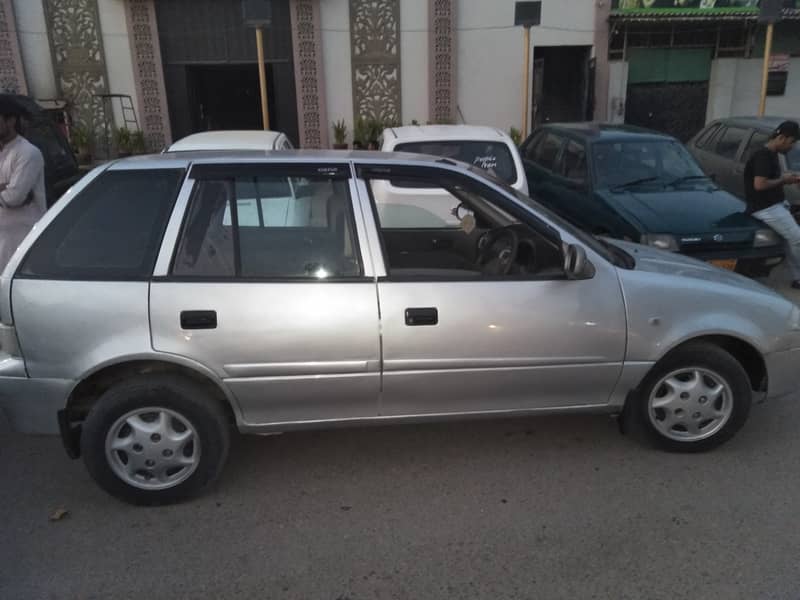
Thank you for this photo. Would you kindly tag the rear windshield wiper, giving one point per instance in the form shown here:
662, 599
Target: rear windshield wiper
686, 178
622, 186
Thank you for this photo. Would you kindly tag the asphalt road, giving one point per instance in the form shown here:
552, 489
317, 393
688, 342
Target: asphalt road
552, 507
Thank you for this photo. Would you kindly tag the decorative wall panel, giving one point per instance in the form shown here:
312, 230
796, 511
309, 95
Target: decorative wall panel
308, 74
78, 61
148, 73
12, 77
375, 57
442, 62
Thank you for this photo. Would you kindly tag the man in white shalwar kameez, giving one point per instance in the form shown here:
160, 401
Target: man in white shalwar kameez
22, 189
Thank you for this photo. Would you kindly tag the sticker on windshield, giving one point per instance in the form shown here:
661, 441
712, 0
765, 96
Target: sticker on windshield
486, 162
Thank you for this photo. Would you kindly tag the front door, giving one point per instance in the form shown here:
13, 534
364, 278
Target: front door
501, 329
268, 289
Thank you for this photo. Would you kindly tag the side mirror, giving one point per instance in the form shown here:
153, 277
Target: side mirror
576, 265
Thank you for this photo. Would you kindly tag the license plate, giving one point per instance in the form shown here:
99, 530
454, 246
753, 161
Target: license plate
726, 263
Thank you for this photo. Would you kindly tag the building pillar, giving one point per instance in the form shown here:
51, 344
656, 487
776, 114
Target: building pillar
442, 63
312, 118
12, 76
79, 63
148, 73
375, 59
601, 69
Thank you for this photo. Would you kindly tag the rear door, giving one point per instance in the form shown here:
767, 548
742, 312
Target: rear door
269, 289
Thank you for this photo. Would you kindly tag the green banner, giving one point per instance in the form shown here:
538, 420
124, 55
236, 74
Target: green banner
701, 6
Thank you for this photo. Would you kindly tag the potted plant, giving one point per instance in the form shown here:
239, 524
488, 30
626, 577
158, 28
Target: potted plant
122, 141
81, 144
339, 135
515, 135
138, 145
360, 134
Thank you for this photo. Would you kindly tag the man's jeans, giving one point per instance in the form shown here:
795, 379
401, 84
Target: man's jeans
782, 222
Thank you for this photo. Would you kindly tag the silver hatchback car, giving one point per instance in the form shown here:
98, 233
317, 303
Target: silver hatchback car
166, 298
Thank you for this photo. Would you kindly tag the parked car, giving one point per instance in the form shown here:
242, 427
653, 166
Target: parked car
232, 140
633, 184
146, 316
724, 146
404, 205
60, 165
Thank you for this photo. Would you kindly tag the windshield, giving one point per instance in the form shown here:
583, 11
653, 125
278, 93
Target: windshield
793, 159
494, 157
609, 252
620, 163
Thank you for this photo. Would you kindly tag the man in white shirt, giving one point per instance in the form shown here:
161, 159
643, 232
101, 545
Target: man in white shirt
22, 188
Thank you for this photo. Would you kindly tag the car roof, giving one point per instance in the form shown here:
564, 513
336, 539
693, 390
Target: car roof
765, 123
420, 133
183, 159
604, 132
227, 140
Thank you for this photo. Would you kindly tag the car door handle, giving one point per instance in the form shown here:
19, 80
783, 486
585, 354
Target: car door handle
198, 319
416, 317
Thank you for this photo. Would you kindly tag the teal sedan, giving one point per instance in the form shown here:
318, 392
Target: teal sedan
637, 185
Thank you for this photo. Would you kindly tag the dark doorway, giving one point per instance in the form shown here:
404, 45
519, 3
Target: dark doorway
210, 68
227, 97
678, 109
561, 88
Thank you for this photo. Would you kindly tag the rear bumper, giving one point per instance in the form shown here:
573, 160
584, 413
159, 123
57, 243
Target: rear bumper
783, 376
32, 405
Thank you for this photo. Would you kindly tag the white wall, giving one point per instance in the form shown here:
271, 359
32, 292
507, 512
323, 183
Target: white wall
414, 60
617, 90
35, 49
490, 54
735, 86
335, 26
119, 62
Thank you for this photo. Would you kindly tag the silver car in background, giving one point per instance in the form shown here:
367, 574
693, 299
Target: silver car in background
168, 298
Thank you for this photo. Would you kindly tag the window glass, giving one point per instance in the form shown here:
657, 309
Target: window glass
269, 227
619, 163
793, 159
429, 251
112, 229
757, 141
545, 152
728, 143
573, 162
703, 140
494, 157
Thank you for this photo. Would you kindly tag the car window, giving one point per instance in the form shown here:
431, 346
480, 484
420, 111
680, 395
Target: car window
793, 159
494, 157
111, 230
573, 162
757, 141
287, 145
618, 163
459, 251
728, 143
269, 227
705, 138
545, 152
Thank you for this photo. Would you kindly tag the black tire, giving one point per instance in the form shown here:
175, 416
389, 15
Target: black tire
171, 392
694, 355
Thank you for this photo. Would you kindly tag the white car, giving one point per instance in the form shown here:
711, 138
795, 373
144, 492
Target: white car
249, 139
402, 205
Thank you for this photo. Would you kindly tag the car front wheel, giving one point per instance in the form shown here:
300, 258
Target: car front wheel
155, 439
695, 399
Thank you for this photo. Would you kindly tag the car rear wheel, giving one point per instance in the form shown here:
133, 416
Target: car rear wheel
155, 439
695, 399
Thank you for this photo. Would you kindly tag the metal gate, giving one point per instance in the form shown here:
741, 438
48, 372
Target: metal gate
678, 109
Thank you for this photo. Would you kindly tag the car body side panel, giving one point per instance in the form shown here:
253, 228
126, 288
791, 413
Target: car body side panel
66, 328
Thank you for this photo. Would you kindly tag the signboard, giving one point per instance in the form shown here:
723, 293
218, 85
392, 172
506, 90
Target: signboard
257, 13
528, 14
700, 6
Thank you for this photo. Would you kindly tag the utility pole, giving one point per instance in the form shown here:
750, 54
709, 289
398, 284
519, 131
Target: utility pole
527, 14
771, 11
